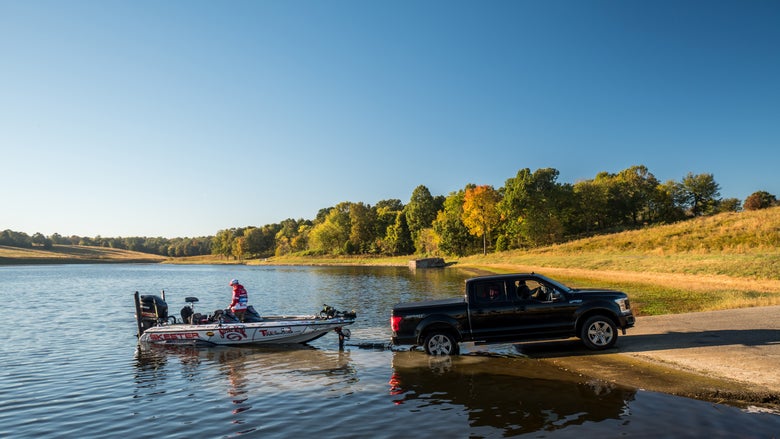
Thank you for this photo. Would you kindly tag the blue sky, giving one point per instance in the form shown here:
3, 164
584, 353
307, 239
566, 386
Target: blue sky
182, 118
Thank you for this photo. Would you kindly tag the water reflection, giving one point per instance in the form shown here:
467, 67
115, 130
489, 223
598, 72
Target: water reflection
244, 374
515, 395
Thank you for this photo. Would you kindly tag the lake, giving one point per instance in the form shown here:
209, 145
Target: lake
71, 367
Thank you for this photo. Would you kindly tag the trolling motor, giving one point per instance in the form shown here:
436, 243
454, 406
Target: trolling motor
329, 312
344, 334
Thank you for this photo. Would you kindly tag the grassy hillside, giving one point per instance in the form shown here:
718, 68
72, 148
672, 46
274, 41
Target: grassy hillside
745, 245
68, 254
724, 261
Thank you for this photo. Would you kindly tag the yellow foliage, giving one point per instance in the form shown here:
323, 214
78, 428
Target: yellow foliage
480, 213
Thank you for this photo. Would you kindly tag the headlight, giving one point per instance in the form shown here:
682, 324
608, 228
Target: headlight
623, 305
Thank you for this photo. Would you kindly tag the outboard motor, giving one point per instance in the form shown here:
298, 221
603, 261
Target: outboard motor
150, 310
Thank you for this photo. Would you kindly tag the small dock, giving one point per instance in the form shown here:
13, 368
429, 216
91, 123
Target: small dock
426, 263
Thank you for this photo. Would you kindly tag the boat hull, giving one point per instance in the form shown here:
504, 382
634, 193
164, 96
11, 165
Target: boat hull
278, 330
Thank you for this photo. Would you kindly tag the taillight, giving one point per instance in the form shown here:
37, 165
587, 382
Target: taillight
395, 323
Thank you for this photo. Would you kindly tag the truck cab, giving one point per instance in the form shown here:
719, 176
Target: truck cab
505, 307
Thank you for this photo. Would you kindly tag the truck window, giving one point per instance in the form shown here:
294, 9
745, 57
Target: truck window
492, 292
538, 291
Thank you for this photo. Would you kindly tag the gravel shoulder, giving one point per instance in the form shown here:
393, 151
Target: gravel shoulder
725, 356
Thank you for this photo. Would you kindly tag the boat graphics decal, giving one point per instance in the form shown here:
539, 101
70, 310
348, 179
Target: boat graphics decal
234, 333
275, 331
174, 336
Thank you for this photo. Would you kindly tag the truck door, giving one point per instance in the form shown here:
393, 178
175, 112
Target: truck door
492, 311
545, 309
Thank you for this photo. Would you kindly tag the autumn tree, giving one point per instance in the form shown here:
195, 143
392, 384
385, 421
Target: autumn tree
759, 200
480, 212
300, 242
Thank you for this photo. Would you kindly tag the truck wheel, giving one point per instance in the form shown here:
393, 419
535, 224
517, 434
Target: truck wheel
599, 333
441, 343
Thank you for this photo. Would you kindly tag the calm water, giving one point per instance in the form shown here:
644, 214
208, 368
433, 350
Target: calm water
71, 367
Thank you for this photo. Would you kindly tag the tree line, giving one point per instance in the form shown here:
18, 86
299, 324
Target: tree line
532, 209
175, 247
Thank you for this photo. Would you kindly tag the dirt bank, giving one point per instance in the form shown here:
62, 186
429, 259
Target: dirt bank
724, 356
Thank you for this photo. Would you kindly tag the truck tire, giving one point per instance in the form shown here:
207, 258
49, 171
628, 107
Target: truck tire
440, 342
599, 333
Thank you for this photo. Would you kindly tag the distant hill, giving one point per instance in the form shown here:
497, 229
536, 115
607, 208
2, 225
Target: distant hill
62, 254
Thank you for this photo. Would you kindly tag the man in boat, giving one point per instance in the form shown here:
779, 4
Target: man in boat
240, 300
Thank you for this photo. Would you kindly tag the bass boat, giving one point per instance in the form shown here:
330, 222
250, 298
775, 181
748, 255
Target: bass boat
223, 328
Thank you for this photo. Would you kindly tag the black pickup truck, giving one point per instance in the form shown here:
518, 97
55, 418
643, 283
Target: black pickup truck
510, 308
